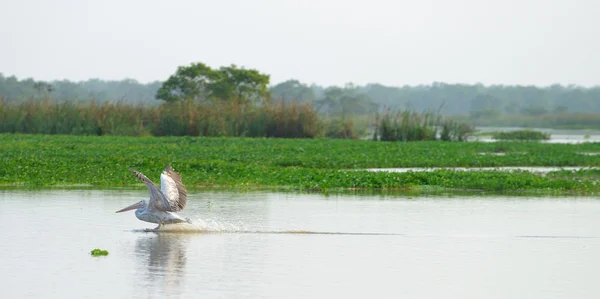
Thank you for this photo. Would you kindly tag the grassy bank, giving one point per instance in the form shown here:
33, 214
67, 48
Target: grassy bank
309, 164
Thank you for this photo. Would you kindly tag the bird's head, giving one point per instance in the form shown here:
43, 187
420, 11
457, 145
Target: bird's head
138, 205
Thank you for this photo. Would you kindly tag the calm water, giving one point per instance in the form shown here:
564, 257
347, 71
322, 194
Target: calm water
437, 247
539, 169
556, 135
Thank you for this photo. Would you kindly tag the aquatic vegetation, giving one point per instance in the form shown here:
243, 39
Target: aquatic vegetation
410, 125
580, 175
521, 135
99, 252
300, 164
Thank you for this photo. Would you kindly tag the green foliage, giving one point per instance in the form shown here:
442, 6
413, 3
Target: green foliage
346, 101
410, 125
169, 119
456, 130
240, 83
489, 105
534, 110
407, 125
98, 252
484, 114
308, 164
13, 90
340, 127
198, 82
581, 174
525, 135
293, 90
188, 83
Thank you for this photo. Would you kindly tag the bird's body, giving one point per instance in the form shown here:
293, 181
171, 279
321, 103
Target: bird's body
158, 217
164, 202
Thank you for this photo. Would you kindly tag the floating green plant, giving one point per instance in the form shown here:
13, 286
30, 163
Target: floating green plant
99, 252
529, 135
302, 164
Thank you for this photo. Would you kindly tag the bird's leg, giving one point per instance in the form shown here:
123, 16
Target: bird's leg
156, 228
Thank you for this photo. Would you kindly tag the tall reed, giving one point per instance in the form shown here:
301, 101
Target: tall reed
410, 125
233, 118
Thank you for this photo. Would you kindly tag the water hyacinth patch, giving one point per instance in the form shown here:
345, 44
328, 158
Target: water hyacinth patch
306, 164
99, 252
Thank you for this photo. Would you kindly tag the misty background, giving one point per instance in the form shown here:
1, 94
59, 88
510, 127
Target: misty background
325, 42
479, 59
449, 99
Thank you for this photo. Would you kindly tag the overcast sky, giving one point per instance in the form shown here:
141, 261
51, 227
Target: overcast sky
328, 42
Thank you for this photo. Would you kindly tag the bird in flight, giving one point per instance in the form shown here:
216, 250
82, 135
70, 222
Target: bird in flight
163, 202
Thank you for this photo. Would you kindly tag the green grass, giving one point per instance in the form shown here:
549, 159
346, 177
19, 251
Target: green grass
299, 164
99, 252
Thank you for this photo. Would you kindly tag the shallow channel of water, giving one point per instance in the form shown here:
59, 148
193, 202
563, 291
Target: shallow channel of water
556, 135
537, 169
256, 245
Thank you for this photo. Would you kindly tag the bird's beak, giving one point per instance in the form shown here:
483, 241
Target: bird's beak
134, 206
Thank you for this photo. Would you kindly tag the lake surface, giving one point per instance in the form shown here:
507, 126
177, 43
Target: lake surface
538, 169
556, 135
289, 245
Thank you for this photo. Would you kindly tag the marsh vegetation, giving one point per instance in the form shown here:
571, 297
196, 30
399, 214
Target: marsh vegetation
235, 118
299, 164
555, 106
523, 135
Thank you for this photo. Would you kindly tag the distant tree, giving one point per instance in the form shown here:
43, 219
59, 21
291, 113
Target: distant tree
241, 83
561, 109
512, 107
346, 101
189, 82
199, 82
43, 88
485, 102
487, 113
293, 90
534, 110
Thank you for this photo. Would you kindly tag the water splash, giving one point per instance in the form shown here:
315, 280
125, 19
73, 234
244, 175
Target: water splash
211, 225
200, 226
215, 226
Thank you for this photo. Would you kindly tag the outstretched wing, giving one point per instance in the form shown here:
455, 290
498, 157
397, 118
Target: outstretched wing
173, 189
157, 198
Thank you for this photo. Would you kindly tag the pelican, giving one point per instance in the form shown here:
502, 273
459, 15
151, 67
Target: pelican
164, 202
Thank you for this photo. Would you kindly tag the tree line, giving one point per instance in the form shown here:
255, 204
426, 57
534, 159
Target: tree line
200, 83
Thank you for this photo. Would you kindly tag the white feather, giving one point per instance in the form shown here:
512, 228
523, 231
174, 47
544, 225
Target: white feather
169, 188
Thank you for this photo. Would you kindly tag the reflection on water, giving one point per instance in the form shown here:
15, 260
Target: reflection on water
380, 246
162, 258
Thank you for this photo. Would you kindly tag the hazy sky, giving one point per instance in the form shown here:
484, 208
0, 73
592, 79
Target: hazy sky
327, 42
